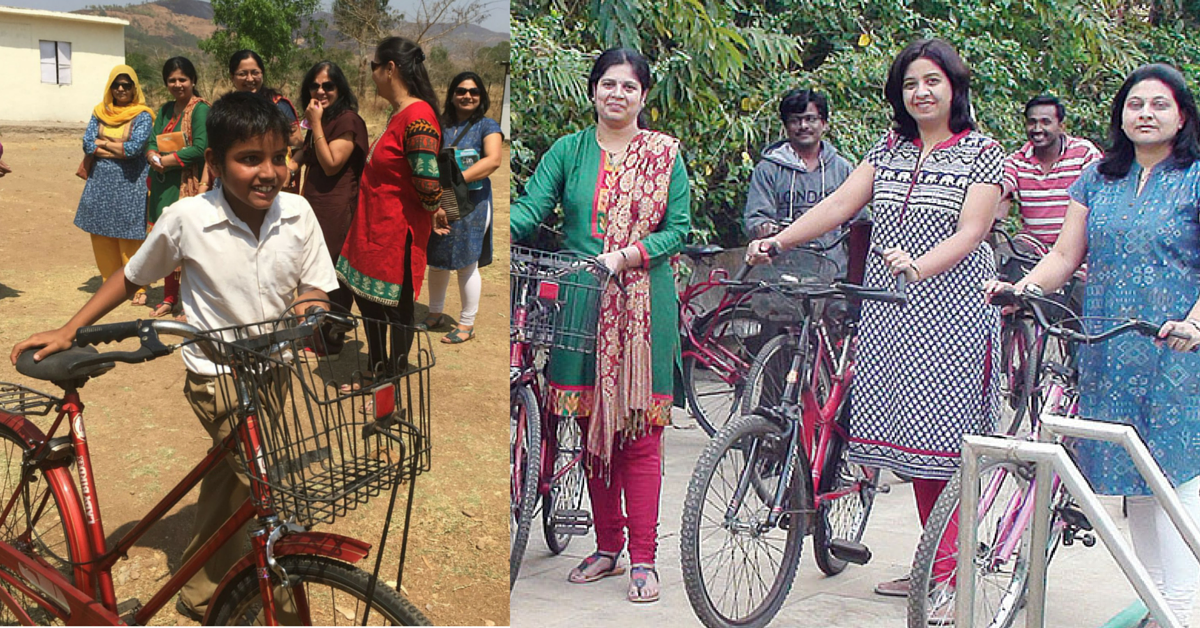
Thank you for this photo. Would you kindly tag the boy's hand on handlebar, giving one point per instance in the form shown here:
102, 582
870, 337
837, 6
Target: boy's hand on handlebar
1180, 336
51, 342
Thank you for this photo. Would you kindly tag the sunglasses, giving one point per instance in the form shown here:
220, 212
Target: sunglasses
123, 86
463, 91
327, 86
375, 65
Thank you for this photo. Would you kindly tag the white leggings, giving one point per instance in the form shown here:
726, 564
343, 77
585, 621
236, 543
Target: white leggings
1162, 550
470, 285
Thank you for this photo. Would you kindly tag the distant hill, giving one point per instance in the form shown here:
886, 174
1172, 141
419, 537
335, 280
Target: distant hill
175, 26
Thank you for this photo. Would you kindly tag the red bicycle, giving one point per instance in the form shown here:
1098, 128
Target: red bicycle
312, 453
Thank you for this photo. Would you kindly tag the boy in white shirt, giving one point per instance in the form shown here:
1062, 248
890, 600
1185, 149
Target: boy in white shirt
246, 252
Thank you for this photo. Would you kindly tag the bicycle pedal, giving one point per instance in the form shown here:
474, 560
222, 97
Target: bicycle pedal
126, 610
883, 489
850, 551
573, 522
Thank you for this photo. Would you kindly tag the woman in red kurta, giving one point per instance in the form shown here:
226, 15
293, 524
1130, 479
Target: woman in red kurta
383, 259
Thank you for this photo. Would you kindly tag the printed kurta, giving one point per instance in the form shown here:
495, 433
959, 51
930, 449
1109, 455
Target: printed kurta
470, 239
114, 198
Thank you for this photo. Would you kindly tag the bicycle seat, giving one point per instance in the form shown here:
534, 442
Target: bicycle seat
62, 366
698, 252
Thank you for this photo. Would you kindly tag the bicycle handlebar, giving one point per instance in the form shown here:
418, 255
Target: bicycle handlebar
898, 295
1034, 302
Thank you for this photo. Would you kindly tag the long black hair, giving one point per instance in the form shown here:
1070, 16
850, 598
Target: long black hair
450, 112
240, 56
946, 58
345, 98
183, 64
621, 56
410, 63
1118, 159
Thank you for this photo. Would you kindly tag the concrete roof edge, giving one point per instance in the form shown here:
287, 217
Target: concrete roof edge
59, 15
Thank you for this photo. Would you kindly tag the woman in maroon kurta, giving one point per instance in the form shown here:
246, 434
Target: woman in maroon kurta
383, 259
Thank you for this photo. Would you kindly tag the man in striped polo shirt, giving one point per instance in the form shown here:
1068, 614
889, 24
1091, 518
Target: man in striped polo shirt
1037, 176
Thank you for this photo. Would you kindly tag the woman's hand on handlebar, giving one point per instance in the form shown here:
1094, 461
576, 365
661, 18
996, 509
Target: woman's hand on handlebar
992, 287
899, 261
1180, 336
761, 251
50, 342
613, 261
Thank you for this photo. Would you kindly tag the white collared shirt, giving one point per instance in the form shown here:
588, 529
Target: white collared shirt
229, 276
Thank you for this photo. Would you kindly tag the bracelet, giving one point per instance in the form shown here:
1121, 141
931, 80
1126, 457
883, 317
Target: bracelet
1194, 322
319, 137
916, 270
624, 256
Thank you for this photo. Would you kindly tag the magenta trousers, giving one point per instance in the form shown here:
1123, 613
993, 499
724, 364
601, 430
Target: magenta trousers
627, 499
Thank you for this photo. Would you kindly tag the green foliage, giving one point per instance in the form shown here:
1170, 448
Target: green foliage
271, 28
720, 67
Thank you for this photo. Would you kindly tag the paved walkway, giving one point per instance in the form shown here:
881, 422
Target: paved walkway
1085, 585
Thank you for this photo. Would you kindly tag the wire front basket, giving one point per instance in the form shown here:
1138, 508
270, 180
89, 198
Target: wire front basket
332, 431
555, 300
797, 266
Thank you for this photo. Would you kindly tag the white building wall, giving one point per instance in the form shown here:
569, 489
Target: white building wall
97, 44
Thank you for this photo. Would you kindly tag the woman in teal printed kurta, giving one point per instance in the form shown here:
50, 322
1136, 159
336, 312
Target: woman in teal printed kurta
1134, 219
625, 196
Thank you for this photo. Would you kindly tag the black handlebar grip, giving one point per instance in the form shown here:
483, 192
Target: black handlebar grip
902, 284
111, 332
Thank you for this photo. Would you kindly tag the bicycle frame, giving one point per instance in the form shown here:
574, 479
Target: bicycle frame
713, 356
85, 531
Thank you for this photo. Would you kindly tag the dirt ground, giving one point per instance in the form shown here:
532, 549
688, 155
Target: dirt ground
144, 438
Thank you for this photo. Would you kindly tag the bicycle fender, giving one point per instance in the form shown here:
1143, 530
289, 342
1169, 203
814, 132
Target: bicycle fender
334, 546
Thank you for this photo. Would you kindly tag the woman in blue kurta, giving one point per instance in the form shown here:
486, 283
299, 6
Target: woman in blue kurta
468, 245
113, 206
624, 193
1134, 217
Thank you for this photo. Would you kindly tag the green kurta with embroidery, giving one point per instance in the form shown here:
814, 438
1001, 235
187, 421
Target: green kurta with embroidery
568, 175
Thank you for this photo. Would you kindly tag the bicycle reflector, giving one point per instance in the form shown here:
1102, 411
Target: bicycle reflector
385, 400
548, 291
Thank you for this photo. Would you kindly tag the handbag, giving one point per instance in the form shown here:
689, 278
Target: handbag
85, 167
169, 142
456, 197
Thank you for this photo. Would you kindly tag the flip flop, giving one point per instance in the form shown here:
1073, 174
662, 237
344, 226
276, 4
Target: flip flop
579, 574
458, 336
163, 309
138, 299
639, 578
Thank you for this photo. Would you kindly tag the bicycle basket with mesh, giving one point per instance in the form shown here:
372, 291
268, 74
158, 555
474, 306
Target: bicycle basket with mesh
329, 432
555, 300
799, 266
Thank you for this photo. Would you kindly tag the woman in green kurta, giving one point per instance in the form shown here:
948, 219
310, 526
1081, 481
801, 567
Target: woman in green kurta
178, 165
624, 193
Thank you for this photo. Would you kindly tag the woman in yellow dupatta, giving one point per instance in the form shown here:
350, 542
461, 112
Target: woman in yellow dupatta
625, 197
113, 206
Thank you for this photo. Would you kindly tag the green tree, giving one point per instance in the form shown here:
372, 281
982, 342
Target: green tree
275, 29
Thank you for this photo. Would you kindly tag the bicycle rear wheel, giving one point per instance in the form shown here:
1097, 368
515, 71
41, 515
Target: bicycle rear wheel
844, 518
566, 493
737, 570
335, 594
36, 526
525, 459
711, 393
1001, 578
768, 374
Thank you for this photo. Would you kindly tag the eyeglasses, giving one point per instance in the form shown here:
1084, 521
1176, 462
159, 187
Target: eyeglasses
248, 74
463, 91
327, 86
375, 65
123, 86
810, 120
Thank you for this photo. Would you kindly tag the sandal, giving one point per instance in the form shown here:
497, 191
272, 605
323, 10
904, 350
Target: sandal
433, 321
163, 309
138, 298
458, 336
581, 574
641, 589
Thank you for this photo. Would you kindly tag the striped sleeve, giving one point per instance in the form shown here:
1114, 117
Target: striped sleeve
421, 143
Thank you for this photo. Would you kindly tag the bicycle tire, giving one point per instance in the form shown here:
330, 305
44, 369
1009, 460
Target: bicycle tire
713, 401
525, 459
567, 492
707, 587
1019, 359
48, 539
845, 517
768, 374
240, 603
991, 610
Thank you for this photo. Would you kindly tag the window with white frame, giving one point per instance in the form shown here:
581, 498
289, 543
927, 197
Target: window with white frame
56, 62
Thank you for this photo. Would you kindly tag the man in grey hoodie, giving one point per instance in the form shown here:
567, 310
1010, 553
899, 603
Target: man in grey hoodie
796, 173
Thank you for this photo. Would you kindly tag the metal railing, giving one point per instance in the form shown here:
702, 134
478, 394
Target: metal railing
1051, 458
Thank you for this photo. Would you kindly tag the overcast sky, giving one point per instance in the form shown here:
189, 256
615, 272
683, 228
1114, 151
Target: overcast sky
497, 21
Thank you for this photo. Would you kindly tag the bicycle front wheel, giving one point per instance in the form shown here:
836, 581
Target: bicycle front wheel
1001, 556
323, 592
737, 567
525, 459
566, 493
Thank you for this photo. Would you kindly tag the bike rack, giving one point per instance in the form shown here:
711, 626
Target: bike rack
1051, 457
